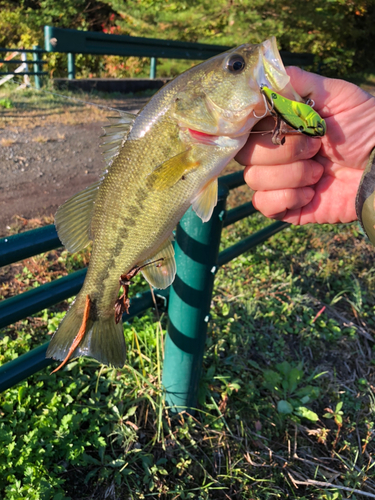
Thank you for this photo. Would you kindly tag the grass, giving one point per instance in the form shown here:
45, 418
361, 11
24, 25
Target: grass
286, 401
31, 108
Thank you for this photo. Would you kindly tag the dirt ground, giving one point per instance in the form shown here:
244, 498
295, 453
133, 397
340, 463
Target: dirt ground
47, 156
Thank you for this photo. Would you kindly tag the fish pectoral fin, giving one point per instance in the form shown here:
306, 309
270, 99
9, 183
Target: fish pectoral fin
161, 273
171, 171
73, 218
206, 201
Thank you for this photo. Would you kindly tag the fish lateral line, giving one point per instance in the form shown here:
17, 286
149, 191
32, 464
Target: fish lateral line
78, 338
122, 304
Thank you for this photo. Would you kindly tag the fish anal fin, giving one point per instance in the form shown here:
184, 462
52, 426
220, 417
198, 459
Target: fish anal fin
73, 218
206, 201
172, 170
160, 273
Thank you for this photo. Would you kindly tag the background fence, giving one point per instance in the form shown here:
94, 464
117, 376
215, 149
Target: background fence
72, 42
36, 62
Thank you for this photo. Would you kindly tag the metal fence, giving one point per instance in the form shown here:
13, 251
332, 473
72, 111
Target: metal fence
72, 42
36, 62
187, 301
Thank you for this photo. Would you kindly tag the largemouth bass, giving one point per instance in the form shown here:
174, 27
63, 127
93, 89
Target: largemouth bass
159, 163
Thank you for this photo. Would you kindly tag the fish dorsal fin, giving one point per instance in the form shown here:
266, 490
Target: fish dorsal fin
206, 201
172, 170
161, 274
73, 218
115, 135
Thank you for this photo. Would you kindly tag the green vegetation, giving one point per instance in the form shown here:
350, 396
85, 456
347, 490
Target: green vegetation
6, 103
286, 399
338, 32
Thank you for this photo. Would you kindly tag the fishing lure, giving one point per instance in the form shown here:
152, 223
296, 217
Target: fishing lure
298, 115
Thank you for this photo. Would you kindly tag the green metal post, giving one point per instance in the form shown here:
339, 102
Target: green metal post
37, 67
71, 66
196, 248
153, 67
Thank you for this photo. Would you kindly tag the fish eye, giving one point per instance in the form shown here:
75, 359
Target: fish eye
236, 63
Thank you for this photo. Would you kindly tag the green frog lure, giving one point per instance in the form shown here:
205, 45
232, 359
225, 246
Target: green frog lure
299, 116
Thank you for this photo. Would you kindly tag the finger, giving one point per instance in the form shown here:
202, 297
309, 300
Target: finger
259, 150
293, 175
276, 202
331, 96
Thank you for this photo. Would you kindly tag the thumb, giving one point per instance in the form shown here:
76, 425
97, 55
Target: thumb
330, 95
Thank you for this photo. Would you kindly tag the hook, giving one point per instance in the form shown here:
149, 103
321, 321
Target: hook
268, 110
310, 102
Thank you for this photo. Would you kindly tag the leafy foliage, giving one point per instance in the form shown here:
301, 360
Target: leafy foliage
272, 371
338, 32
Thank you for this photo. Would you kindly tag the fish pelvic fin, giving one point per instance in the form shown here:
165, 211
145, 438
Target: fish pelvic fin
206, 201
160, 269
101, 338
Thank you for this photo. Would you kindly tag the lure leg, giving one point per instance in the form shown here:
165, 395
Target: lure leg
277, 133
80, 334
280, 130
122, 303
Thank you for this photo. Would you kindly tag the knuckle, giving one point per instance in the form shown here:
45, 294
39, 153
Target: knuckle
289, 197
253, 177
303, 147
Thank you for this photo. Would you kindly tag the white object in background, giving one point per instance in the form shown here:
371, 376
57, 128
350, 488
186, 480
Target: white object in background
20, 69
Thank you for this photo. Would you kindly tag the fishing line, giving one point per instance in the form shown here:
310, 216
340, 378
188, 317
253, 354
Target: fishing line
75, 99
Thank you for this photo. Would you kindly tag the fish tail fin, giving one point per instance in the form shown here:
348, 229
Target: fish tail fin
101, 338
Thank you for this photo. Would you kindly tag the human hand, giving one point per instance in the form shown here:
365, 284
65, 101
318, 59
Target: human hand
310, 179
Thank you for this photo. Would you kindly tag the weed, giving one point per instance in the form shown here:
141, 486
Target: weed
6, 103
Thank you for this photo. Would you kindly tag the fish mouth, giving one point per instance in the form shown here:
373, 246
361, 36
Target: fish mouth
196, 134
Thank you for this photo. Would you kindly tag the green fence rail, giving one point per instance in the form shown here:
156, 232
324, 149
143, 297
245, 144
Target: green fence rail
36, 62
187, 300
74, 42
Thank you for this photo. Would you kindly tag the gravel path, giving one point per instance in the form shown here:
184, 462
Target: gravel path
42, 166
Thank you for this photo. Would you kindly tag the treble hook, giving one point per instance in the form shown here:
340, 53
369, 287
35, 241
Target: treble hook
310, 102
266, 105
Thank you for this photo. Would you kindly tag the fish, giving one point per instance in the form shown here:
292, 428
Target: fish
158, 164
365, 199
